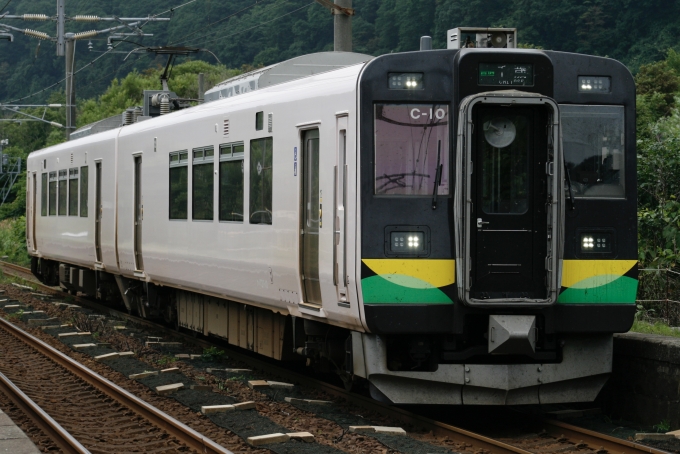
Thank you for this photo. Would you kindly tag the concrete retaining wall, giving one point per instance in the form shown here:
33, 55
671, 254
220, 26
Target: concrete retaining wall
645, 384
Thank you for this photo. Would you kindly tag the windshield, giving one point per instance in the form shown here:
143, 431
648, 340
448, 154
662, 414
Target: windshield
411, 142
593, 138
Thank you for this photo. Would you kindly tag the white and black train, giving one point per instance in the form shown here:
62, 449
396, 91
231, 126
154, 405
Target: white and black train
455, 226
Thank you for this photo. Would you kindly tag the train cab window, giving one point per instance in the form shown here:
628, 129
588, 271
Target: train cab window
259, 121
83, 191
179, 184
594, 144
202, 183
411, 144
231, 182
53, 193
73, 192
261, 153
63, 192
43, 195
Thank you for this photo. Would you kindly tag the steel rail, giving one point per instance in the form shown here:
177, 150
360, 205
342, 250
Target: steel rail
60, 436
576, 434
161, 420
611, 445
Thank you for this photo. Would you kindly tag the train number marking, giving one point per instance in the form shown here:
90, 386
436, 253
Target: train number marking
439, 114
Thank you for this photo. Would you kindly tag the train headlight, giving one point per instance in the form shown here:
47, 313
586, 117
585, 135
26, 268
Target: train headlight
594, 84
405, 81
407, 242
596, 242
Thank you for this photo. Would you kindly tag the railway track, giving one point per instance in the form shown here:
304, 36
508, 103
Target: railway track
82, 411
549, 436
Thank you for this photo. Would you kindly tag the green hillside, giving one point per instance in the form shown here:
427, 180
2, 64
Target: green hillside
633, 32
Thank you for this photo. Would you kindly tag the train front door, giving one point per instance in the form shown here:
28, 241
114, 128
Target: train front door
509, 228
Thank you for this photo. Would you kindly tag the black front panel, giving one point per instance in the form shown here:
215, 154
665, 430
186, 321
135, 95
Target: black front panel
438, 79
393, 196
616, 216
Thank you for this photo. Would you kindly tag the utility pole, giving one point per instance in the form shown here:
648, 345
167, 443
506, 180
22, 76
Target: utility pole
70, 85
66, 42
342, 22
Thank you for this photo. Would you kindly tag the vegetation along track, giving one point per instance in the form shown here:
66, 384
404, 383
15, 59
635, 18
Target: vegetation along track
82, 411
548, 437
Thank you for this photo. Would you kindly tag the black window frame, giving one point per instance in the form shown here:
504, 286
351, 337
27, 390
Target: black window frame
43, 193
84, 190
178, 164
73, 175
260, 213
230, 154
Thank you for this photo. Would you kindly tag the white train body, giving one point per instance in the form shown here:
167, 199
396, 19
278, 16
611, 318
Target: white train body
313, 272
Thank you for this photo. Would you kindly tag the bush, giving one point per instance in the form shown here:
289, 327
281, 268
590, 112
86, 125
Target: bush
13, 241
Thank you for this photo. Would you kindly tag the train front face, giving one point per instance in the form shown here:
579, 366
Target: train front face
498, 225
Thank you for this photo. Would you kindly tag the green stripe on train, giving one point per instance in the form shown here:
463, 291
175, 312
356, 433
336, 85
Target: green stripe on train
605, 289
378, 290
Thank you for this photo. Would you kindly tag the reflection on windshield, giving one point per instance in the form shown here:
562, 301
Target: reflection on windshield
593, 138
406, 140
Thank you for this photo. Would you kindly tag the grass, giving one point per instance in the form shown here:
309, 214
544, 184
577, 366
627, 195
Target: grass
641, 326
13, 241
165, 360
212, 354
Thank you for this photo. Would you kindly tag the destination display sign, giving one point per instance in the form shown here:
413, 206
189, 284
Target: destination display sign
510, 74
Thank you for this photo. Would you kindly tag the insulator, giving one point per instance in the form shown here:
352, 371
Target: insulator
36, 34
165, 106
35, 17
136, 114
84, 35
127, 117
86, 18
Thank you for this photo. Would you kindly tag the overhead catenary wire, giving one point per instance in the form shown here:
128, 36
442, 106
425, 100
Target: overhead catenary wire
257, 2
6, 5
171, 10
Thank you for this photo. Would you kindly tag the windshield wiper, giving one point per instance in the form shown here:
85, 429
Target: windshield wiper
571, 193
438, 175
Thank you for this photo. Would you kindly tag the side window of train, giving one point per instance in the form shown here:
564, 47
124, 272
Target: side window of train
259, 121
594, 144
53, 193
63, 192
202, 183
179, 184
411, 149
73, 192
43, 194
231, 182
261, 152
83, 190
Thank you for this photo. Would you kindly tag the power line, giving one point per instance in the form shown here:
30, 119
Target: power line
216, 22
171, 10
260, 24
6, 5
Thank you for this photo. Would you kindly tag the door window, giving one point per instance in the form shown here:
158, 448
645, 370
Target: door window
505, 163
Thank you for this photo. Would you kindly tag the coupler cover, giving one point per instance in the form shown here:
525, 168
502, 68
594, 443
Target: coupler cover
512, 334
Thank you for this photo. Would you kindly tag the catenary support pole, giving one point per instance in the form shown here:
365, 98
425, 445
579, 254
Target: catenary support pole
70, 85
342, 39
201, 88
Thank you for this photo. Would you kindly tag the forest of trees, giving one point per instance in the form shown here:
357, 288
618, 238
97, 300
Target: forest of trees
642, 34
